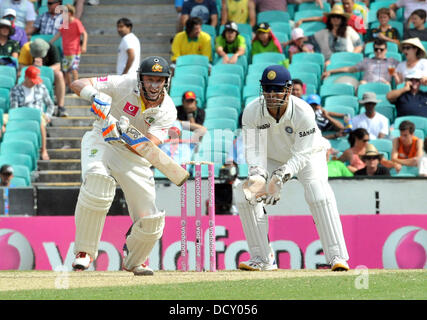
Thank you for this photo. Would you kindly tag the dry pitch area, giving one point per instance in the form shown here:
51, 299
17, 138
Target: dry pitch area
35, 280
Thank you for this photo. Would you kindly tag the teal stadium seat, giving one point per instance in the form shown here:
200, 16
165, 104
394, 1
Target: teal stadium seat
192, 69
394, 24
223, 90
379, 88
341, 109
351, 57
23, 172
242, 61
18, 182
304, 57
312, 27
272, 15
219, 78
6, 82
306, 67
340, 144
306, 77
253, 78
23, 136
21, 147
25, 125
268, 57
258, 68
24, 113
8, 71
229, 69
342, 100
180, 89
418, 121
192, 79
313, 6
383, 146
193, 59
251, 90
221, 112
224, 101
335, 89
283, 27
302, 14
17, 159
405, 172
220, 124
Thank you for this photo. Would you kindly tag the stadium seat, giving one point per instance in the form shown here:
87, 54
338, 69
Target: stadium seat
21, 147
192, 69
306, 77
19, 182
342, 100
258, 68
341, 109
310, 89
221, 112
192, 79
7, 82
223, 90
282, 37
48, 37
242, 60
23, 172
306, 67
44, 72
25, 125
394, 24
8, 71
220, 124
340, 144
405, 172
303, 57
23, 136
3, 104
302, 14
281, 26
193, 59
229, 69
179, 90
17, 159
220, 78
312, 6
388, 111
209, 29
253, 78
224, 101
351, 57
335, 89
383, 146
268, 57
24, 113
420, 122
251, 90
272, 15
312, 27
379, 88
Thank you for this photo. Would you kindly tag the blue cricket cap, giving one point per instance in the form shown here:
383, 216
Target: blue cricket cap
275, 75
313, 98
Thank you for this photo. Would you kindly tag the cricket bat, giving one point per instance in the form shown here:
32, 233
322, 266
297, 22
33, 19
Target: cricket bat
139, 144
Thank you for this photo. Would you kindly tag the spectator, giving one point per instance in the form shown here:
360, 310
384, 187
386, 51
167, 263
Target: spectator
410, 100
418, 19
32, 93
267, 5
298, 88
50, 21
372, 159
358, 140
337, 36
415, 53
191, 116
230, 42
8, 47
178, 8
354, 21
376, 69
237, 11
129, 49
71, 37
40, 53
265, 40
191, 41
409, 6
326, 120
179, 150
422, 166
336, 168
375, 123
407, 148
297, 43
384, 31
25, 13
358, 10
206, 10
19, 35
6, 176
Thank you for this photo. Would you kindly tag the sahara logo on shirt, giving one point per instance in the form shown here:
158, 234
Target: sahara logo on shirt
131, 109
306, 133
264, 126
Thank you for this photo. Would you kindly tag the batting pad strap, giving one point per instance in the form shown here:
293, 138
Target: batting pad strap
88, 92
97, 192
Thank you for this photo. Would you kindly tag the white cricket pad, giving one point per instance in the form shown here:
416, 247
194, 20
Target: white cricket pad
94, 201
255, 226
145, 232
323, 207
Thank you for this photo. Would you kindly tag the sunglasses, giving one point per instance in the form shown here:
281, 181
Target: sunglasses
370, 157
52, 3
189, 100
379, 49
407, 47
273, 88
365, 140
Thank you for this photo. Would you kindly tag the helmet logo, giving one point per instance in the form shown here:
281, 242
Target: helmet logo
157, 68
271, 75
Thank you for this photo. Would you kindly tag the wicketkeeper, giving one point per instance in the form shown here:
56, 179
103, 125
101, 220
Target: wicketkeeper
105, 160
281, 137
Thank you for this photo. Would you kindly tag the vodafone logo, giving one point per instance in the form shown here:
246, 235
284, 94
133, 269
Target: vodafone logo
406, 248
131, 109
15, 251
102, 79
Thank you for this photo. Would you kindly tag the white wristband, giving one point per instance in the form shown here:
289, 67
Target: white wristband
88, 93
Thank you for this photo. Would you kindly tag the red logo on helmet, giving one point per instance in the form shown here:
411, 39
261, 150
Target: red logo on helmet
131, 109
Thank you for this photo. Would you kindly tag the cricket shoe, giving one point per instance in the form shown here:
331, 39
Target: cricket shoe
141, 270
258, 264
82, 261
339, 264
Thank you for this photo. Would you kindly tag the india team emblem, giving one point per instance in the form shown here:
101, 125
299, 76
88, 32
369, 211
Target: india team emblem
271, 75
289, 130
131, 109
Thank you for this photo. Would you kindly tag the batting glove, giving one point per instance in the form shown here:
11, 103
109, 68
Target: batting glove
111, 131
101, 105
274, 187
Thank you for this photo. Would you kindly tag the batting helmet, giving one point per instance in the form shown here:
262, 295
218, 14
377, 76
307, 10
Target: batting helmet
154, 66
276, 75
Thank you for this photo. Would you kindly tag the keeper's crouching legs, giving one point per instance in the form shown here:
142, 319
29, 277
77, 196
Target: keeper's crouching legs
94, 201
141, 240
322, 203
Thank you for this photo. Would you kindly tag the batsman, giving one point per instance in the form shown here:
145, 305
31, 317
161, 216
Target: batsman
281, 138
142, 99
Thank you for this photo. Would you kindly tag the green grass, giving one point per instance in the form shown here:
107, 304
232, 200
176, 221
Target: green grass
387, 286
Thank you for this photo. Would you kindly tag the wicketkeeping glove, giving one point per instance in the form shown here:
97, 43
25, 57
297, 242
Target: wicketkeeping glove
254, 187
274, 187
101, 105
